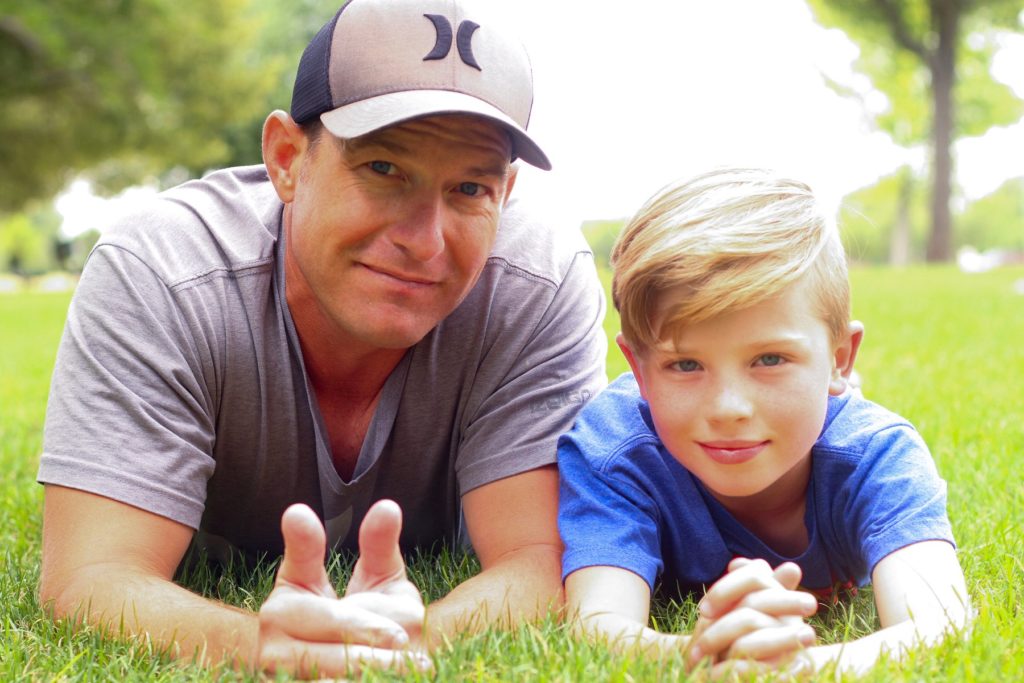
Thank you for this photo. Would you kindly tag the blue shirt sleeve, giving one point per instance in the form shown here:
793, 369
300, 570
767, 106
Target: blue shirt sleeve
604, 521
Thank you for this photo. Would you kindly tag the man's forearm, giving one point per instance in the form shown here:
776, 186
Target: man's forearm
127, 602
522, 587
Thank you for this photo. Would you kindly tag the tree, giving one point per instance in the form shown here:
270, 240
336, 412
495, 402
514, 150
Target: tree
995, 221
125, 89
940, 51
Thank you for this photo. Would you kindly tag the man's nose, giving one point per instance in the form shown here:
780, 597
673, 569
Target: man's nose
420, 229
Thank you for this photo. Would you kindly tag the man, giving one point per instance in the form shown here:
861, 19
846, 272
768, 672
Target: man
364, 317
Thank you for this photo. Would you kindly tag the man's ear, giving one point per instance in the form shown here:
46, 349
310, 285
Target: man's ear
634, 363
845, 355
284, 144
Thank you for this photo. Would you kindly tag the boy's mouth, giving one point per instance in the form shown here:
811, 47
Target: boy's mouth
732, 452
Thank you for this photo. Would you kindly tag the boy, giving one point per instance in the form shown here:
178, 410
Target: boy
737, 436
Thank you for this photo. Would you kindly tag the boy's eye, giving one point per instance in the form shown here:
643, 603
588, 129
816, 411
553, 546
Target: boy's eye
771, 360
471, 189
686, 366
382, 167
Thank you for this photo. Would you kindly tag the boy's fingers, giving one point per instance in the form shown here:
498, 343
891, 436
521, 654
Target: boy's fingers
781, 603
728, 591
746, 632
788, 574
772, 643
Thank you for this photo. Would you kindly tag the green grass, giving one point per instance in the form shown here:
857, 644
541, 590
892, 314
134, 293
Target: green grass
943, 348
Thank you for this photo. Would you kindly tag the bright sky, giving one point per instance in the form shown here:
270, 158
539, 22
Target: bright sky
631, 95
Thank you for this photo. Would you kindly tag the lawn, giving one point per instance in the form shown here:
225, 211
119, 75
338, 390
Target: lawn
943, 348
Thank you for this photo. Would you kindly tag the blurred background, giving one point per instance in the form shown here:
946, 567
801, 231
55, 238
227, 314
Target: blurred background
906, 115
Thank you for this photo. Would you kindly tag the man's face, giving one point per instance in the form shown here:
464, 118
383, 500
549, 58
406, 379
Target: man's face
740, 399
389, 232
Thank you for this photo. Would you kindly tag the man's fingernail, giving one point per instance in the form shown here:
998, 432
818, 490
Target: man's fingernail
807, 635
695, 654
400, 638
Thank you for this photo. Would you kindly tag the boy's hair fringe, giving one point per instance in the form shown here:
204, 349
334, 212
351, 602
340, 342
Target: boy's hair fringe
723, 241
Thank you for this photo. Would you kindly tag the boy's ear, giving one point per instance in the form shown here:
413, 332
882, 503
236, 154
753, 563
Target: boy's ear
634, 363
845, 355
284, 143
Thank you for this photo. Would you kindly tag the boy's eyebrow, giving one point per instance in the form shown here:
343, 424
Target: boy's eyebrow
670, 346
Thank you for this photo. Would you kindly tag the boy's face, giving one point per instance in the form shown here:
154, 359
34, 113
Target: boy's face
740, 399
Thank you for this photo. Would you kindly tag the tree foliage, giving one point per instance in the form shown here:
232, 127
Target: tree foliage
124, 89
931, 58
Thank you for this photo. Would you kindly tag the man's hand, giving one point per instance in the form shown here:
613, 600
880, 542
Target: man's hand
754, 613
307, 631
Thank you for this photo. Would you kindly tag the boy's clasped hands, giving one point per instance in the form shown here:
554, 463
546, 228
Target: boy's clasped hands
753, 618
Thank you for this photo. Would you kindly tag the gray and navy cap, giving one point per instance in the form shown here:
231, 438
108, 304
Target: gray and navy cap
380, 62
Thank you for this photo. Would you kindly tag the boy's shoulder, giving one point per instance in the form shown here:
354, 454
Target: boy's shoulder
614, 421
856, 427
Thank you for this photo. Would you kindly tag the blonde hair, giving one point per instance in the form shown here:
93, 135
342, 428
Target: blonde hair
722, 241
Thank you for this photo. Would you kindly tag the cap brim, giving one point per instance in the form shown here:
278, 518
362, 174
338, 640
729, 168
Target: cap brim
374, 113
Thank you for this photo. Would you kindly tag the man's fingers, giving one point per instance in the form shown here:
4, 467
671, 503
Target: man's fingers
380, 560
306, 617
408, 612
331, 661
305, 545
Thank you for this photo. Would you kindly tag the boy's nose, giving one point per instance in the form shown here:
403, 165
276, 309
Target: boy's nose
730, 403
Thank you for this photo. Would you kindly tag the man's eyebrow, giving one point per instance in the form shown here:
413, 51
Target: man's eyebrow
363, 143
499, 169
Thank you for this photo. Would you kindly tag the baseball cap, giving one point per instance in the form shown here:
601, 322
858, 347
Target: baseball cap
380, 62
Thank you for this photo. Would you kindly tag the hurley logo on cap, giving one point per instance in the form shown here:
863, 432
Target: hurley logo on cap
369, 67
463, 41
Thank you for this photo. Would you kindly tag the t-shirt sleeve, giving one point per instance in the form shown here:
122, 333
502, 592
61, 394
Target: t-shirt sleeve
558, 369
898, 497
603, 520
129, 417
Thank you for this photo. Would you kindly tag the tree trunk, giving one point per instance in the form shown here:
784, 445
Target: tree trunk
946, 18
899, 240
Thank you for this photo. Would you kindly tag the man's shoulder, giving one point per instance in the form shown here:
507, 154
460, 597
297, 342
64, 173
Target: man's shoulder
226, 223
529, 243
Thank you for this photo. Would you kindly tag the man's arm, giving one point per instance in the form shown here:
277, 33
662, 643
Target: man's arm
111, 564
512, 523
921, 597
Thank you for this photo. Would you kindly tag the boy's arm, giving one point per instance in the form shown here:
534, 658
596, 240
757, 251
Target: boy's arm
921, 598
749, 605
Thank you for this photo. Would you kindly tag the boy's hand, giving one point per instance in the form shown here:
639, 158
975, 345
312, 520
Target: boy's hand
753, 613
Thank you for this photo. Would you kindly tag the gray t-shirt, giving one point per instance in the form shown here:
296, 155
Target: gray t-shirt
179, 386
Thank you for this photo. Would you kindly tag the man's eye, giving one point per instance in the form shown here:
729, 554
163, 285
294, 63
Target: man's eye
471, 189
686, 366
771, 360
382, 167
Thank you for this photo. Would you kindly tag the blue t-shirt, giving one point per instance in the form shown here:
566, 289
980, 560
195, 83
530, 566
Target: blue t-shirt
626, 502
